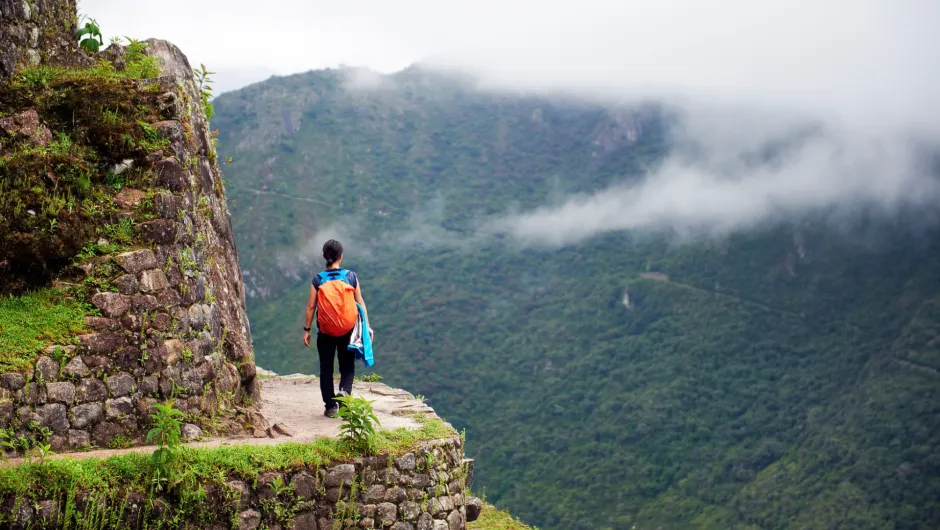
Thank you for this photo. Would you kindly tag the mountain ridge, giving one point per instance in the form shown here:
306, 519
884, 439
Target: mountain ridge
775, 387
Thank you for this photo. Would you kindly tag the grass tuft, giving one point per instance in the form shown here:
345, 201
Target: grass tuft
112, 478
494, 519
30, 323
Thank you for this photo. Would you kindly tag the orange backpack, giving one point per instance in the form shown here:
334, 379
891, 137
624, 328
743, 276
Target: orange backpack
336, 303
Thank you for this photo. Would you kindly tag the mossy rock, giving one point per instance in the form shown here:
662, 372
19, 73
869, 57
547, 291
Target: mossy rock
58, 177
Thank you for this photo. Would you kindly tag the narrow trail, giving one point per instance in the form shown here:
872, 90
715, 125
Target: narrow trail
294, 401
288, 196
916, 366
665, 279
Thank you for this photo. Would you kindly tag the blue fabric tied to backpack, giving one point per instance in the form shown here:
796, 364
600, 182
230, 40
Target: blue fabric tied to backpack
360, 341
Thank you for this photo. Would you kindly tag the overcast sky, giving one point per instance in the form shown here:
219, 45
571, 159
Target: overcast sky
857, 56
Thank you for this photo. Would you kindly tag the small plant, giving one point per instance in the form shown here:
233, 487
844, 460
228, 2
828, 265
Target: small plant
28, 446
110, 117
359, 420
39, 76
187, 262
61, 145
371, 378
137, 64
121, 232
279, 487
7, 442
204, 208
89, 36
115, 181
120, 442
43, 449
167, 434
205, 90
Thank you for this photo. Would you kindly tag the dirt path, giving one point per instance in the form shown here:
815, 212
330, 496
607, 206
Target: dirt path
664, 278
916, 366
294, 401
287, 196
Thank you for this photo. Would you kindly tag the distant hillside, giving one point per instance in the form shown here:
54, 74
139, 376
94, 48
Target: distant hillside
783, 378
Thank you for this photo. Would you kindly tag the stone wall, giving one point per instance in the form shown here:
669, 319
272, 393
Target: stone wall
172, 321
421, 490
35, 32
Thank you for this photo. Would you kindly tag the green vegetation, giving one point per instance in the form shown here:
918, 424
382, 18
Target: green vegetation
781, 378
138, 65
493, 519
57, 181
36, 443
168, 471
55, 196
119, 481
31, 322
359, 420
205, 89
89, 37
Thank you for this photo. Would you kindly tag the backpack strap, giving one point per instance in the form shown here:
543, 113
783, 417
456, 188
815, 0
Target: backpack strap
335, 274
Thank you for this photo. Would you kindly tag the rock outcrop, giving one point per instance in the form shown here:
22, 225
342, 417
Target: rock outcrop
169, 315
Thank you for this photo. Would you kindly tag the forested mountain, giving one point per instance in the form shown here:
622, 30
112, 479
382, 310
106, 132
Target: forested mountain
782, 377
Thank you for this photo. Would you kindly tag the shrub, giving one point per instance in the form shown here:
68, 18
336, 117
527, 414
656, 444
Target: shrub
359, 420
167, 434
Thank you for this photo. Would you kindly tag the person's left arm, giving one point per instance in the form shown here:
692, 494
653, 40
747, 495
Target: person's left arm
363, 304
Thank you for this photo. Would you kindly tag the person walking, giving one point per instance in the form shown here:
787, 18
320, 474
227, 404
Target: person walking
334, 294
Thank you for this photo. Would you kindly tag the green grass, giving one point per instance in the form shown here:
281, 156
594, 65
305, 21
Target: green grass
30, 323
493, 519
112, 478
138, 67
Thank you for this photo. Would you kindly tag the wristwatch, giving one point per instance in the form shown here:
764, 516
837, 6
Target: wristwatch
306, 329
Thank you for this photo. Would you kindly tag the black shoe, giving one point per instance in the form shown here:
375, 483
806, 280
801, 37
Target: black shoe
331, 411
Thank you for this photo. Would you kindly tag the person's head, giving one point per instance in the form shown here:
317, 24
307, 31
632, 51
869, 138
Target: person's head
332, 252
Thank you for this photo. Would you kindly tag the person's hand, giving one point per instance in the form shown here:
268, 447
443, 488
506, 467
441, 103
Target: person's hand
371, 334
307, 339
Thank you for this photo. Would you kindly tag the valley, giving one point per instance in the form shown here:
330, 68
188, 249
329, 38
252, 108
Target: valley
778, 377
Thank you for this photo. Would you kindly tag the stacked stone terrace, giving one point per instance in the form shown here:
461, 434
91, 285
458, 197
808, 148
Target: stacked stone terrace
176, 325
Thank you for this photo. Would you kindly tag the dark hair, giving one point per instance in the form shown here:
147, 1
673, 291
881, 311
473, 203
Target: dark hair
332, 251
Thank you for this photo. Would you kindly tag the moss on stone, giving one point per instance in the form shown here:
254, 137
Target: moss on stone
492, 518
56, 194
115, 480
32, 322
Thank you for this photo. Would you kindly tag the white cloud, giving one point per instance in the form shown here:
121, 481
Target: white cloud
863, 71
721, 191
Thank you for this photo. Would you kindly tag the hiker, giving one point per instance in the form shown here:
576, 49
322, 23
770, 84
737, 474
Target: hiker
334, 294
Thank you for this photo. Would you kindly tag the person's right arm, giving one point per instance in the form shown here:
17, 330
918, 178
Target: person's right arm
311, 310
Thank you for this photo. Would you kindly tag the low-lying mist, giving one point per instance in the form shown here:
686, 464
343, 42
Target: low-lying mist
783, 109
727, 173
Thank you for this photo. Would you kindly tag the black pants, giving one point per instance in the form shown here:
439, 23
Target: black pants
327, 347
